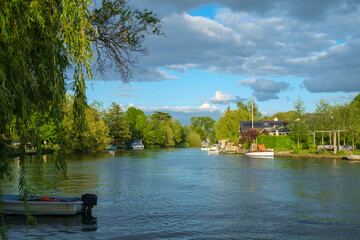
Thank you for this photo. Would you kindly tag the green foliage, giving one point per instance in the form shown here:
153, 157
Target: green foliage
341, 152
137, 121
297, 124
245, 110
227, 125
280, 115
118, 126
93, 136
296, 150
121, 31
200, 131
206, 123
321, 151
204, 126
161, 116
192, 139
279, 143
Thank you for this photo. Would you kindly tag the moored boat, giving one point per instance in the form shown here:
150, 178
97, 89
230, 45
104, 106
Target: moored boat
204, 146
137, 145
111, 148
215, 148
261, 153
13, 204
353, 157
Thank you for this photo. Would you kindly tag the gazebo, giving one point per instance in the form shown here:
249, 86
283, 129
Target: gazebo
336, 136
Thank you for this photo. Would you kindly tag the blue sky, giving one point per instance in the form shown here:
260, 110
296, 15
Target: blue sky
214, 55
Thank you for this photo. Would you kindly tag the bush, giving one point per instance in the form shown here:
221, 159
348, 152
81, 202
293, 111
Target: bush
276, 142
296, 150
341, 152
313, 150
322, 151
246, 145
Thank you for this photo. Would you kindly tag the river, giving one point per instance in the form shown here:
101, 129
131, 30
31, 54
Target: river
186, 193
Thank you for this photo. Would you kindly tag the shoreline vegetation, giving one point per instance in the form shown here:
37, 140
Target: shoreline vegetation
114, 126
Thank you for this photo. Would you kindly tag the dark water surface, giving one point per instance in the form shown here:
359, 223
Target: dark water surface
186, 193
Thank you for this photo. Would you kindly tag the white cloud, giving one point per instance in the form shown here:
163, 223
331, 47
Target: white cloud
221, 98
278, 38
205, 107
182, 68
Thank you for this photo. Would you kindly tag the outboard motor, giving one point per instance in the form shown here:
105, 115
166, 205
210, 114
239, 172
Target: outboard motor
89, 201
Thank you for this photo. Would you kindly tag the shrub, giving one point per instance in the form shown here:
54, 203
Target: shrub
321, 151
276, 142
341, 152
296, 151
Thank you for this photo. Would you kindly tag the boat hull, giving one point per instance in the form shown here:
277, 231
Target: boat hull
353, 157
260, 154
62, 206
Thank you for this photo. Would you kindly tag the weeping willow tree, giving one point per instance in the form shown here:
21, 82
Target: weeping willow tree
40, 41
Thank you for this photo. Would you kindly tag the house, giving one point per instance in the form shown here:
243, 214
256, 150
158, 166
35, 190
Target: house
273, 127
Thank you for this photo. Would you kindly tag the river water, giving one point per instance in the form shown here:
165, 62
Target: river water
188, 194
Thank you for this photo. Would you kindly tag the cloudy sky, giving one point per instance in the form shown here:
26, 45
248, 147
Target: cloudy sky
216, 54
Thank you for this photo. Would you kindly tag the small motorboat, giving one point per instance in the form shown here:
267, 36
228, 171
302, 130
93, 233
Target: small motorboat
261, 153
204, 146
137, 145
214, 149
42, 205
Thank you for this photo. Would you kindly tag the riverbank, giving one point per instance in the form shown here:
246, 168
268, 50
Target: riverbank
308, 155
300, 155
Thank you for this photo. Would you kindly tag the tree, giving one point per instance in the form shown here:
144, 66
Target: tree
323, 117
356, 101
133, 115
227, 126
94, 135
192, 139
297, 123
161, 116
246, 111
41, 40
207, 123
120, 32
248, 135
116, 121
178, 131
200, 132
204, 126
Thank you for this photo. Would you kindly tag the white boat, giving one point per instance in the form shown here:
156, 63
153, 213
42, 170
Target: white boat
204, 146
14, 205
137, 145
353, 157
214, 149
260, 154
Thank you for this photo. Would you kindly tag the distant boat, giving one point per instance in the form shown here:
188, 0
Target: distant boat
137, 145
353, 157
112, 148
261, 153
204, 146
214, 149
14, 204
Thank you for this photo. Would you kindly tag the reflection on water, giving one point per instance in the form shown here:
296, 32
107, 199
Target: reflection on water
186, 193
